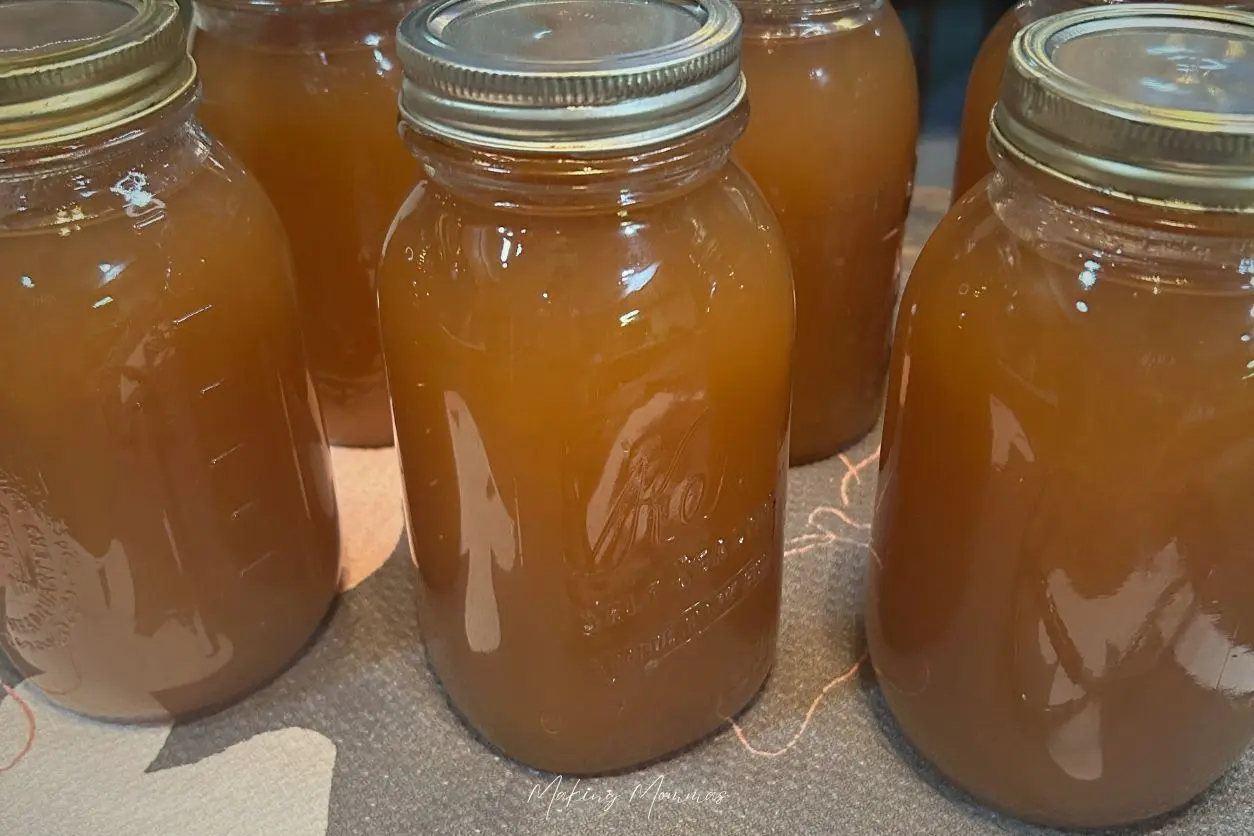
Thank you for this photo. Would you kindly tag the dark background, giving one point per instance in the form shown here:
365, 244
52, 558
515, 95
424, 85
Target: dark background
946, 35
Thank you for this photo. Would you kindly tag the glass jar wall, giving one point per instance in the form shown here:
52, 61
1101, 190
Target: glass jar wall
305, 94
839, 181
167, 525
1060, 568
589, 358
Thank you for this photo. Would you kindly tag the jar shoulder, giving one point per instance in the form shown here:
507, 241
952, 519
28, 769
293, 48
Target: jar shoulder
285, 112
131, 234
1007, 289
859, 93
358, 62
719, 240
870, 64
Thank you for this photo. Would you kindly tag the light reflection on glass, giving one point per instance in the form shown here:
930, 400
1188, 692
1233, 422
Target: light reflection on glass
1088, 277
109, 272
634, 280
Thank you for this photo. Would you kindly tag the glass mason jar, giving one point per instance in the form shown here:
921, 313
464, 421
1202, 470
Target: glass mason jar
167, 524
304, 92
587, 326
839, 182
973, 158
1061, 552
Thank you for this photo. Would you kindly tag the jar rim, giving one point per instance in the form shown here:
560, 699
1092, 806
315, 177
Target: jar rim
1147, 102
61, 91
569, 76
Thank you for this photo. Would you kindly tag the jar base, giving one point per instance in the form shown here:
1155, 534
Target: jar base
554, 766
356, 442
363, 420
933, 772
195, 712
821, 450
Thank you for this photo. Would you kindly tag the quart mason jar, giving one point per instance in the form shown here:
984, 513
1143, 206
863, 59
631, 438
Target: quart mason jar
167, 524
973, 157
839, 181
587, 324
1062, 579
304, 92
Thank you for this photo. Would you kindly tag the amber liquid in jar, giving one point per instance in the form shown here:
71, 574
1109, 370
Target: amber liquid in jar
167, 526
1061, 585
594, 451
306, 97
839, 181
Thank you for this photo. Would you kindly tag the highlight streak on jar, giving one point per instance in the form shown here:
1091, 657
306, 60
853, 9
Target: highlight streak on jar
488, 531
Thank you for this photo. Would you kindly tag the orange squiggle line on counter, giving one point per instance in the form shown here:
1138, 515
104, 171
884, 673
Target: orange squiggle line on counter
818, 534
805, 722
854, 472
30, 728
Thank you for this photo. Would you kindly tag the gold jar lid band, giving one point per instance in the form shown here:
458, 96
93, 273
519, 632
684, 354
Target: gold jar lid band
569, 76
70, 69
1150, 102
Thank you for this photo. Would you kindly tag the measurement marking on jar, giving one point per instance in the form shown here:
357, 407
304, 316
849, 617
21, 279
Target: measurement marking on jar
267, 556
295, 451
185, 317
218, 458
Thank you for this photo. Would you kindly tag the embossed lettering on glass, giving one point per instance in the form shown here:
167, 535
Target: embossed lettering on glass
587, 327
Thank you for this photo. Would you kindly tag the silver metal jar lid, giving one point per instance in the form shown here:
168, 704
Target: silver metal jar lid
569, 76
73, 69
1149, 102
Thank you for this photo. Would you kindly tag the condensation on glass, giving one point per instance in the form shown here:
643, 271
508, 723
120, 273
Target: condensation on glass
1061, 582
973, 158
304, 92
587, 326
839, 181
167, 525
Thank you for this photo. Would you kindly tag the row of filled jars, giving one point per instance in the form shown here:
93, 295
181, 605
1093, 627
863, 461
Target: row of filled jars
604, 342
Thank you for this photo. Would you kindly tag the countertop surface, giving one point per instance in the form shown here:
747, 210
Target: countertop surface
357, 738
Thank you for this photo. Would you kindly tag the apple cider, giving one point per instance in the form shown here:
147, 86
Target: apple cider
1061, 556
168, 537
839, 181
304, 92
587, 328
